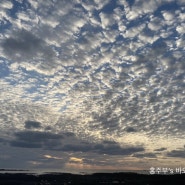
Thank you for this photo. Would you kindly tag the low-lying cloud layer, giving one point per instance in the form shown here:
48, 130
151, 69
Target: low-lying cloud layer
68, 142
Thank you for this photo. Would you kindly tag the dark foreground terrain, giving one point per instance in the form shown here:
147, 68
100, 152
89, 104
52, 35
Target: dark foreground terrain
94, 179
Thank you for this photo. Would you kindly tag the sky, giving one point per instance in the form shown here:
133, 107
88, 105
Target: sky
92, 85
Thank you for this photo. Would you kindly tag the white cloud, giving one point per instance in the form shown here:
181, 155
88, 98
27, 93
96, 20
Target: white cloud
140, 8
180, 43
107, 20
6, 4
100, 4
134, 31
180, 28
110, 35
15, 114
181, 16
148, 39
34, 3
168, 16
155, 23
89, 6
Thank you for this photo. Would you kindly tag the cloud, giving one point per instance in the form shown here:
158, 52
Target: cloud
2, 140
21, 112
101, 4
23, 46
52, 157
75, 160
115, 149
36, 139
24, 144
145, 155
176, 153
140, 8
104, 147
32, 124
160, 149
68, 142
130, 129
134, 31
6, 4
168, 16
93, 70
36, 136
107, 20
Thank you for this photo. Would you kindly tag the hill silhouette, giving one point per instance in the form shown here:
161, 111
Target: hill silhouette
93, 179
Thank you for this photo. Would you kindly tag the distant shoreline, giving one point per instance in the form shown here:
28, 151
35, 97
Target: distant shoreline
34, 171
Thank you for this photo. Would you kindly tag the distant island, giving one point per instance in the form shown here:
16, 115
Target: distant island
13, 170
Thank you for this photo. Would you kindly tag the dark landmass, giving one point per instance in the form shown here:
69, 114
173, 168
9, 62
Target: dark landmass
94, 179
12, 170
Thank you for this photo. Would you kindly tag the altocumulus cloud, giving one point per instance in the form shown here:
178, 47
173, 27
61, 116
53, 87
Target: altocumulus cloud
80, 71
24, 46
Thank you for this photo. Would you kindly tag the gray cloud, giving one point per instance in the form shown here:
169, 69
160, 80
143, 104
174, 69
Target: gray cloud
106, 147
69, 142
2, 140
145, 155
36, 139
160, 149
115, 149
130, 129
32, 124
176, 153
36, 136
25, 46
25, 144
